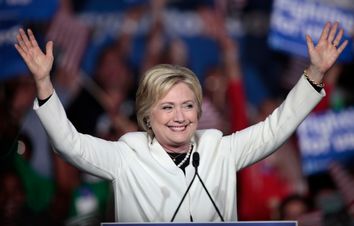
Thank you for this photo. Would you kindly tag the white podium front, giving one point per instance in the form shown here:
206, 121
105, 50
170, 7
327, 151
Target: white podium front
241, 223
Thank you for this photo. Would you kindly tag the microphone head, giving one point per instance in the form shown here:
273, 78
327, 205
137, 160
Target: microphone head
195, 161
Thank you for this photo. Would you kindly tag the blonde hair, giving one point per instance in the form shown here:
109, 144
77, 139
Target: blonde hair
155, 84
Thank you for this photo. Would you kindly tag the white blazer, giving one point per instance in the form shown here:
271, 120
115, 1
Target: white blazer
148, 186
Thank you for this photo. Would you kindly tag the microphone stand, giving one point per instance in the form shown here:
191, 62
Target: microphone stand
184, 196
211, 199
195, 163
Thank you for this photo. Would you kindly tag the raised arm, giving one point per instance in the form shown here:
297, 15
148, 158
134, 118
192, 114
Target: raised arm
325, 53
94, 155
39, 63
258, 141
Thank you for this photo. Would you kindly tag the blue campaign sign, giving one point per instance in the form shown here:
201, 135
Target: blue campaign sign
35, 10
292, 19
326, 137
11, 62
245, 223
109, 5
12, 16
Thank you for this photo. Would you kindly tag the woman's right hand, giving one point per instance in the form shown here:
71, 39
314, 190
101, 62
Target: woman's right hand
39, 64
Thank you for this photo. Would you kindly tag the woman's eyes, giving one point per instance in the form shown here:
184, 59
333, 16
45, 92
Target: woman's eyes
189, 106
185, 106
166, 107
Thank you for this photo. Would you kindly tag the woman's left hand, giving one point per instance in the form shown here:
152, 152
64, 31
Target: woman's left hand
325, 53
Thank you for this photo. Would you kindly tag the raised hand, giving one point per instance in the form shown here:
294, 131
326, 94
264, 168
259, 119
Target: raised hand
39, 63
326, 52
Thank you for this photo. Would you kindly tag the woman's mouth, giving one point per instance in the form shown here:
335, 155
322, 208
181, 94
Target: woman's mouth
178, 128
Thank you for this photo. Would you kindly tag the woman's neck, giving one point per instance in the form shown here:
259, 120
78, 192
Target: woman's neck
177, 149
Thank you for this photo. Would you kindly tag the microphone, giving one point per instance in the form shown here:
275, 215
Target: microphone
195, 161
196, 164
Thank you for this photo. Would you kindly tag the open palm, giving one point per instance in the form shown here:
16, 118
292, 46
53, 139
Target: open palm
38, 62
326, 52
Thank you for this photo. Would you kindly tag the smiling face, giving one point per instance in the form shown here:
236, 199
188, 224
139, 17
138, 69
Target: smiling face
174, 118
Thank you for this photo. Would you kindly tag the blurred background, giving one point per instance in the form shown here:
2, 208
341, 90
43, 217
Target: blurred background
247, 54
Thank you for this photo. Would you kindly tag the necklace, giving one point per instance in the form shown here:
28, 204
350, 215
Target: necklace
185, 158
176, 156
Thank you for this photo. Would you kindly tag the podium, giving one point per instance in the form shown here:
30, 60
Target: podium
239, 223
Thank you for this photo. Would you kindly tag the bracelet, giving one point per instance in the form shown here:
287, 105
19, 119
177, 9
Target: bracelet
319, 85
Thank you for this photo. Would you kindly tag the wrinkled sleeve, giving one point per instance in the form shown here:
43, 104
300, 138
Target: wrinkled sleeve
260, 140
91, 154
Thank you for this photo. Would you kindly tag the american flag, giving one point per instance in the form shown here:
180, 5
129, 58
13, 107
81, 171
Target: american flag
344, 182
71, 37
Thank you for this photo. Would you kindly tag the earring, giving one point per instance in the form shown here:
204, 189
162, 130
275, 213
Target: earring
148, 124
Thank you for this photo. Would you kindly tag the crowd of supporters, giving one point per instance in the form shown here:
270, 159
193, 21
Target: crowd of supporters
96, 78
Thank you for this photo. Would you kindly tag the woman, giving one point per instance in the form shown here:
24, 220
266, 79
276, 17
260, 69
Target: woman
151, 170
